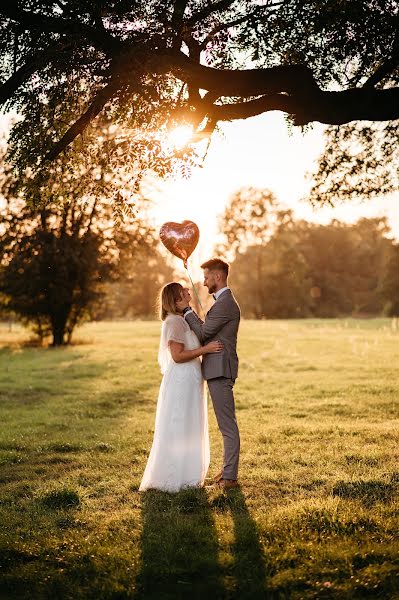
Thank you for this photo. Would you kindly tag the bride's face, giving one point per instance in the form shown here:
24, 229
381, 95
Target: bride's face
186, 295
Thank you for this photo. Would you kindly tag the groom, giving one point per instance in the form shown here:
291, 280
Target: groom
220, 369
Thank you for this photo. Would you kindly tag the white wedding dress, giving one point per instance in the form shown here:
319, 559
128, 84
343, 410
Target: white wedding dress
179, 455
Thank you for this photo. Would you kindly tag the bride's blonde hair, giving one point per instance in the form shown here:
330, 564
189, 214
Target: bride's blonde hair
169, 295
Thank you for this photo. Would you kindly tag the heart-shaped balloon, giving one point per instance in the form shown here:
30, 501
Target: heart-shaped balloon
180, 238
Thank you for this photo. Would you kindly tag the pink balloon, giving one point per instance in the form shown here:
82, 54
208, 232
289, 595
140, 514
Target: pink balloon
180, 238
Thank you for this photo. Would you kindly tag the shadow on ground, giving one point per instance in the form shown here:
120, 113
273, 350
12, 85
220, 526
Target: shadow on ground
181, 553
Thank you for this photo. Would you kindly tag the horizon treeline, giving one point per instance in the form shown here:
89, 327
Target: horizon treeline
68, 263
302, 270
311, 270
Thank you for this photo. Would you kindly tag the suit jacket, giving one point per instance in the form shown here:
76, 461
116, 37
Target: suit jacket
221, 323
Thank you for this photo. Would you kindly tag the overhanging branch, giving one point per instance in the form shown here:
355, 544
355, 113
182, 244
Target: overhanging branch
230, 82
103, 96
330, 108
32, 21
22, 74
290, 88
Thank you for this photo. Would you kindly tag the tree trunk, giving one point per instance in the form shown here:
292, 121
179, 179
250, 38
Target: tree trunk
58, 337
58, 327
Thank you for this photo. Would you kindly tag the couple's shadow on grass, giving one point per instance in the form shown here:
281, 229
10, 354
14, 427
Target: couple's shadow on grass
184, 553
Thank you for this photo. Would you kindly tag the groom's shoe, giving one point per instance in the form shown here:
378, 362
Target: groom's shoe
218, 477
227, 484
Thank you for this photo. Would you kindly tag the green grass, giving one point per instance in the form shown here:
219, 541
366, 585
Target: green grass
317, 513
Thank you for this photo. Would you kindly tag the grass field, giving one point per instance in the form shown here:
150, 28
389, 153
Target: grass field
317, 512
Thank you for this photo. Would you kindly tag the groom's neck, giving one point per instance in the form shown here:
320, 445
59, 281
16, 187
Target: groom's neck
221, 285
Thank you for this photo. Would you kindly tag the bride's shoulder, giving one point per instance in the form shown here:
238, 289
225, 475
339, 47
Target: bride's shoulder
171, 318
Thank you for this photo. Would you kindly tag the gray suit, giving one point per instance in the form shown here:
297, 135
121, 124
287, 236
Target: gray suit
220, 370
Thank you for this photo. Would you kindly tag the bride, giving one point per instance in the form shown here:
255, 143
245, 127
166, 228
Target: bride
179, 455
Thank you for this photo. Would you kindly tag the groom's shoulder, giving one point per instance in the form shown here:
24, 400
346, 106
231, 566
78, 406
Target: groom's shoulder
228, 299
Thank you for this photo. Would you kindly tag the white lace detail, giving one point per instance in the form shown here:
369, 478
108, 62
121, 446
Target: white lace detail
174, 328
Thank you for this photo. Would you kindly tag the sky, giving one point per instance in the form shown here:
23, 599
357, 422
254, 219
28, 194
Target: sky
259, 152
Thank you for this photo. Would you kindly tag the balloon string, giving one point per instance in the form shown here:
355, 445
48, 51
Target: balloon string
195, 291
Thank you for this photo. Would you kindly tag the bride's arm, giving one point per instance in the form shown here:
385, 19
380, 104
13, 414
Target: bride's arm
180, 355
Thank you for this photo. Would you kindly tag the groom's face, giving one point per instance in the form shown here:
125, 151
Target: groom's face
210, 281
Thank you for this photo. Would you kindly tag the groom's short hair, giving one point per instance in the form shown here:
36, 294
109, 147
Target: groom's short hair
216, 264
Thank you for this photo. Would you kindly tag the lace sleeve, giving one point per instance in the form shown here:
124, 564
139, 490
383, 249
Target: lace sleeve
173, 330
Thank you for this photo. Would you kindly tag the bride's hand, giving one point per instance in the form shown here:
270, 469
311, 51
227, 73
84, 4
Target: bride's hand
213, 347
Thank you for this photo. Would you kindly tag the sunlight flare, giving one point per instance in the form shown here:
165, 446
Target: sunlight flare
180, 136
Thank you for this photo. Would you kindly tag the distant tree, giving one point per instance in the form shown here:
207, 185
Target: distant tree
272, 280
389, 288
151, 64
303, 269
250, 220
345, 264
134, 293
251, 217
58, 251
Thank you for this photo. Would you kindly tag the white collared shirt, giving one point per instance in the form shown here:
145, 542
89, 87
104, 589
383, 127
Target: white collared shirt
215, 295
219, 292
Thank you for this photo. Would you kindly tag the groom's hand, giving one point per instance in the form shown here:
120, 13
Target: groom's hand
182, 304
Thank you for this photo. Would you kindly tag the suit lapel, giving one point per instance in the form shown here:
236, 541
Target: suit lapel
224, 293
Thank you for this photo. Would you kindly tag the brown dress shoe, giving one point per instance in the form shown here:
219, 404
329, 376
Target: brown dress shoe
218, 477
228, 484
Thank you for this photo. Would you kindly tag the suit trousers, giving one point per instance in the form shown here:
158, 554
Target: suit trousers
221, 390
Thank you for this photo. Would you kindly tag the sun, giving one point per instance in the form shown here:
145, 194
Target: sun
180, 136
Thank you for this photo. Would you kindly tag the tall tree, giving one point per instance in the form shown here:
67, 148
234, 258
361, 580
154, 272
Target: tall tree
251, 217
255, 231
57, 254
151, 63
56, 261
272, 280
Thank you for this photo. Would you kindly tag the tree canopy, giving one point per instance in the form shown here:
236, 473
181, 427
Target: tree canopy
144, 65
63, 260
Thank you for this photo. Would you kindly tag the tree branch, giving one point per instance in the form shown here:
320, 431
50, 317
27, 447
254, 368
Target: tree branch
178, 12
31, 21
177, 21
331, 108
383, 70
389, 65
18, 78
205, 12
103, 96
243, 110
290, 88
239, 21
231, 82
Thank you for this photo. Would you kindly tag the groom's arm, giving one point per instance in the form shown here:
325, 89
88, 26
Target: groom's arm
215, 320
194, 321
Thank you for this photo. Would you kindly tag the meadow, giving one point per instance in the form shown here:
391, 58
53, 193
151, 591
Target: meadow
316, 515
